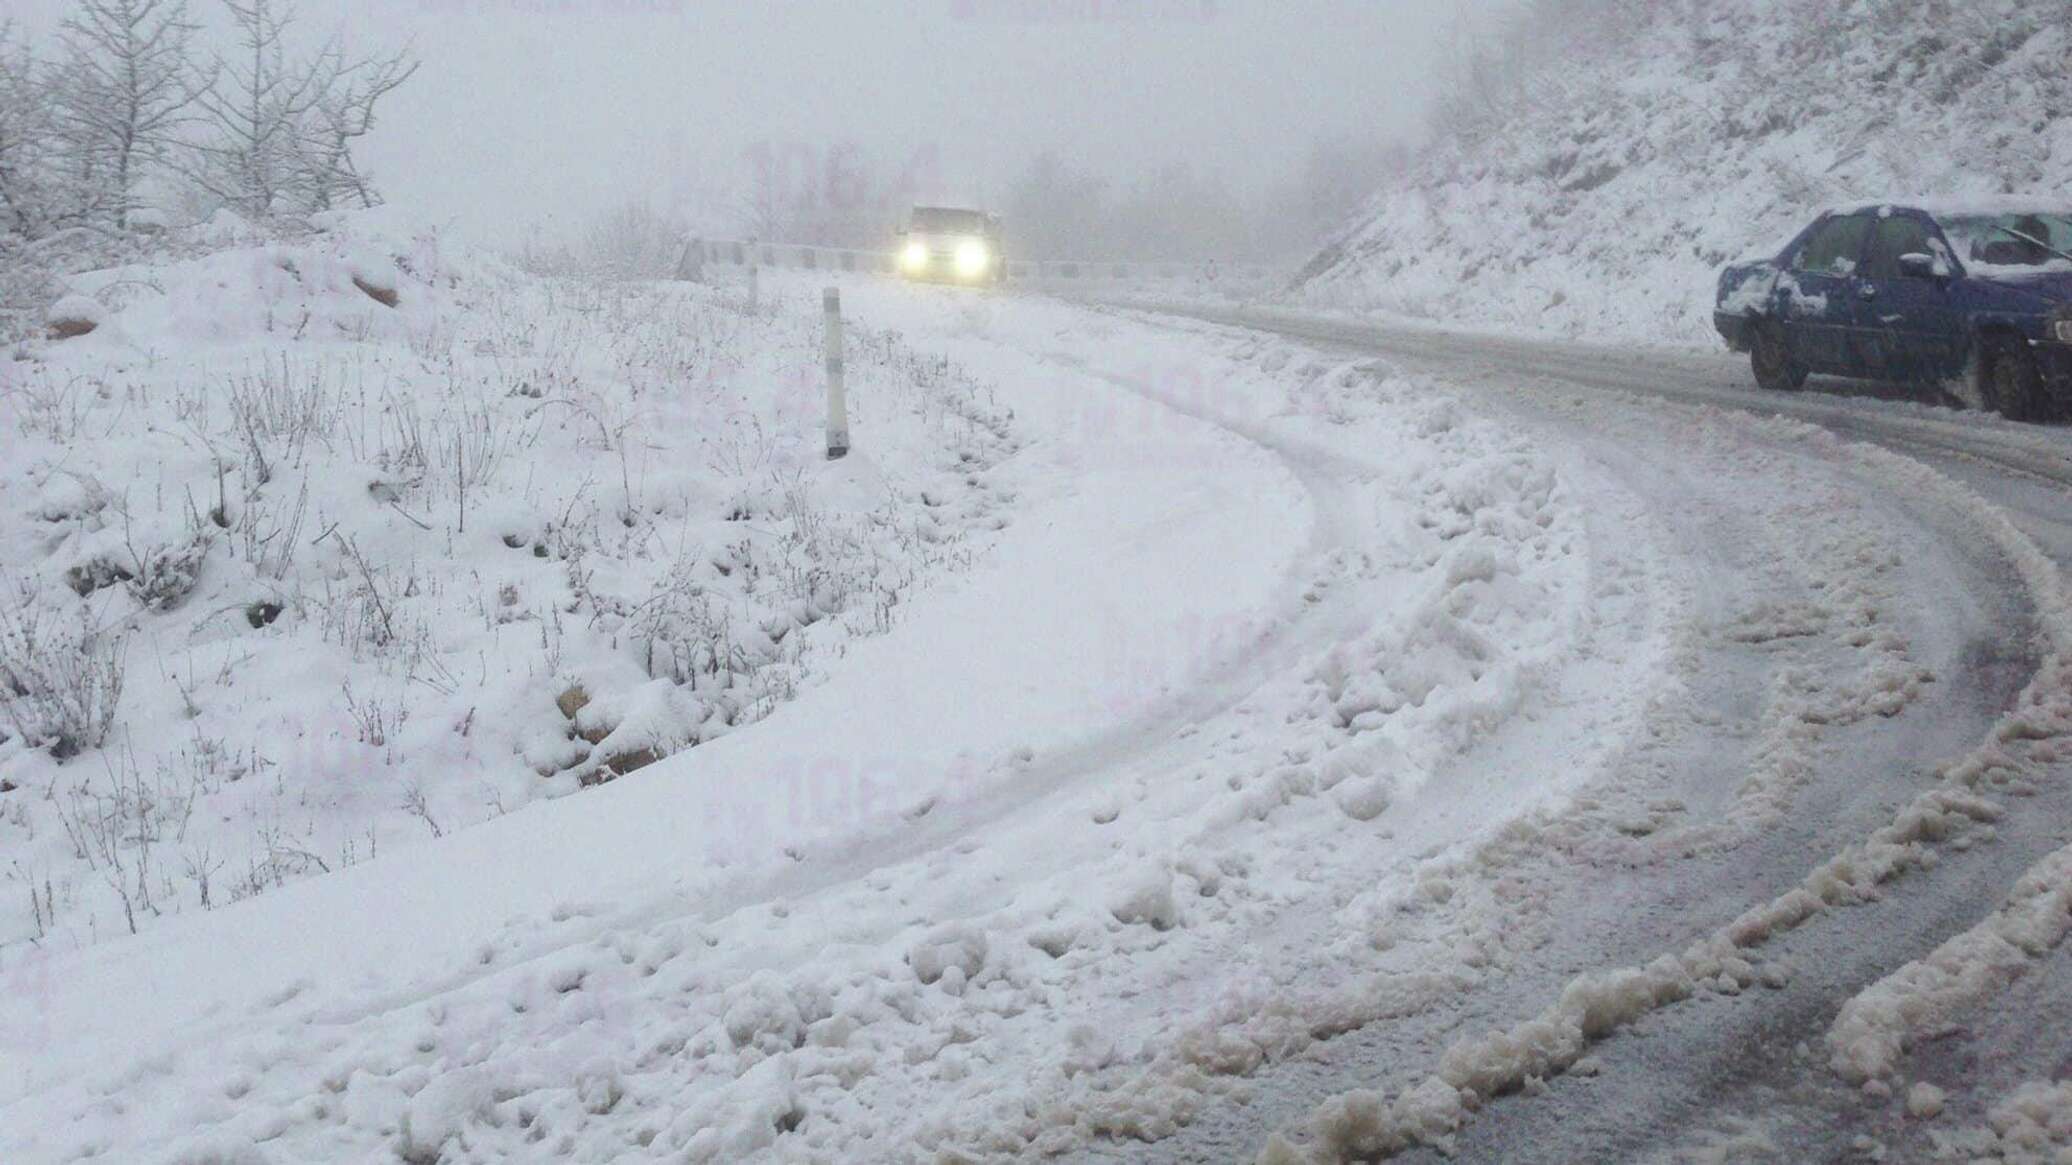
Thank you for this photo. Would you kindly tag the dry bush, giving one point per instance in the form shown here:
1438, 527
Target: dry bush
60, 679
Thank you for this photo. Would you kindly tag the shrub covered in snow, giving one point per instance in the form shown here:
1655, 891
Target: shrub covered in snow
60, 676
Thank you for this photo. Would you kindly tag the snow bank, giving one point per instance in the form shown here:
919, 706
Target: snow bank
2033, 1126
354, 279
1873, 1028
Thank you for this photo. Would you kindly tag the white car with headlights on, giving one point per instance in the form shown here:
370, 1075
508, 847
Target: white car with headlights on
952, 245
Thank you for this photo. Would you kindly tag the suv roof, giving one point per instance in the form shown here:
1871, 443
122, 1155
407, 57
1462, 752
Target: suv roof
1946, 207
950, 217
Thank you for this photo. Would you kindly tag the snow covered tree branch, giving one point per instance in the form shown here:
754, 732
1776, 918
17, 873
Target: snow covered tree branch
124, 105
285, 129
344, 113
255, 105
126, 88
29, 203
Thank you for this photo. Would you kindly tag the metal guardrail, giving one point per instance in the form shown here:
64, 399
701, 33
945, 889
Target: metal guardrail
806, 257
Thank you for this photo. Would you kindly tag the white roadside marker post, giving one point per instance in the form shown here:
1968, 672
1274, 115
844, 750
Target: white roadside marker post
754, 271
837, 407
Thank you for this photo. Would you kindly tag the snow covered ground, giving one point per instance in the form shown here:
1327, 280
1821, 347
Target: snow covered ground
1155, 734
1628, 151
1059, 856
296, 576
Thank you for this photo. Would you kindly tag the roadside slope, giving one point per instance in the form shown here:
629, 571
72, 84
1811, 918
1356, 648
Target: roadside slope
1634, 148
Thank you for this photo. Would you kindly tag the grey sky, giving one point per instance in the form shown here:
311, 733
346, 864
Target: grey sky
551, 110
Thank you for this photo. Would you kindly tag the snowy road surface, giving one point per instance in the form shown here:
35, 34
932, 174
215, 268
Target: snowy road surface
1746, 1074
1333, 700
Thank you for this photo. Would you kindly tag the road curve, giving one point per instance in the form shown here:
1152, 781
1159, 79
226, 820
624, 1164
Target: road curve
1743, 1077
2026, 470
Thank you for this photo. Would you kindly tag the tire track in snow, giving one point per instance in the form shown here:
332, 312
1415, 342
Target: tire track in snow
1910, 436
1880, 414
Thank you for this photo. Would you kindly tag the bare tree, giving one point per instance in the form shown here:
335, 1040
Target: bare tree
343, 114
127, 88
257, 105
38, 202
285, 129
28, 203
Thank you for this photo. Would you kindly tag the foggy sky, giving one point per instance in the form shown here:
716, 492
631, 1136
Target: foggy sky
531, 111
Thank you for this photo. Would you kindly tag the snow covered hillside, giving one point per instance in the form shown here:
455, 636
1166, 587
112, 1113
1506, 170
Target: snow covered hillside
1620, 153
319, 547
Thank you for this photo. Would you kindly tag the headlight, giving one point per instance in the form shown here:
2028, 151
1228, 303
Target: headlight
915, 256
971, 257
2063, 329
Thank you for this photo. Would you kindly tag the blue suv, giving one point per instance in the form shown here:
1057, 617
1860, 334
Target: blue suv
1976, 297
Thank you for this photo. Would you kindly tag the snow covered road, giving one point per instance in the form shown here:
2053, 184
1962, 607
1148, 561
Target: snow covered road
1726, 1073
2022, 469
1324, 701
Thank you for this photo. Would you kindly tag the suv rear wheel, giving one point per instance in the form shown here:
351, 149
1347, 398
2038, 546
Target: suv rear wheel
1772, 362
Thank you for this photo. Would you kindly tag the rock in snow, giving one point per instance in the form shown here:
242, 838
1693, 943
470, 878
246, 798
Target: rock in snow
74, 315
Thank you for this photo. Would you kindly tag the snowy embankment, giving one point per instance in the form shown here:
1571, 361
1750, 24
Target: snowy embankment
1060, 856
320, 548
1653, 143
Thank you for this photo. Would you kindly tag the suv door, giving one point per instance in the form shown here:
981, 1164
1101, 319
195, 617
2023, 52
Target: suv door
1908, 326
1816, 294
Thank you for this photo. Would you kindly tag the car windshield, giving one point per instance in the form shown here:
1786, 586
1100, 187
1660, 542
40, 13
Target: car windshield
2021, 240
941, 220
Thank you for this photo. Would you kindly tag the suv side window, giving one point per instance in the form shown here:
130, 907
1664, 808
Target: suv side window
1834, 246
1897, 236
